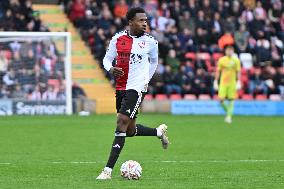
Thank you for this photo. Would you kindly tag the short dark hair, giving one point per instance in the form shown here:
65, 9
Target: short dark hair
229, 46
132, 12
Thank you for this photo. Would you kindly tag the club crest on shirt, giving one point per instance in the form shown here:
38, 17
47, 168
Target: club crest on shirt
142, 44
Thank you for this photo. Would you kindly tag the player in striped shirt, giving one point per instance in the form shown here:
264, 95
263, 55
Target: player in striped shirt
136, 54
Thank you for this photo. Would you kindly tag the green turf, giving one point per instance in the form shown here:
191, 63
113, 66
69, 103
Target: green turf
205, 152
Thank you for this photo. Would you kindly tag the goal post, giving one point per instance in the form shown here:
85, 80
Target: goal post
35, 73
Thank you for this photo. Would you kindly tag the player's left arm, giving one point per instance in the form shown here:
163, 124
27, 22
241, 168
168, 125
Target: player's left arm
154, 58
238, 74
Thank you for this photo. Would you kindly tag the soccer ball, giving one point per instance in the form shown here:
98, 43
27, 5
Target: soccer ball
131, 170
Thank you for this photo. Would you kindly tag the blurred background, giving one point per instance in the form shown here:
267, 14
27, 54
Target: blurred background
191, 35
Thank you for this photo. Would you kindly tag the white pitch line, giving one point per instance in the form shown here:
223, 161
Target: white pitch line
3, 163
224, 161
75, 162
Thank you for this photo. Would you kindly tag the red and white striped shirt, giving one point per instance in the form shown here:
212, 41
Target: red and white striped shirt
138, 58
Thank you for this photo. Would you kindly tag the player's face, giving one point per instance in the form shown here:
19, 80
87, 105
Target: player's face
139, 23
229, 52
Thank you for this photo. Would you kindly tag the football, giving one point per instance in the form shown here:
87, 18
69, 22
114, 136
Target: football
131, 170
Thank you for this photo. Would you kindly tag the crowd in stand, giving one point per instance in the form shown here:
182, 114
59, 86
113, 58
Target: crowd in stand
255, 27
18, 15
29, 69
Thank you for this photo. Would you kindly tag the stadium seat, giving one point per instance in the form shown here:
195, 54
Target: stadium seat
261, 97
148, 97
53, 82
190, 55
204, 97
216, 57
247, 97
175, 97
161, 97
275, 97
246, 60
189, 97
205, 56
216, 97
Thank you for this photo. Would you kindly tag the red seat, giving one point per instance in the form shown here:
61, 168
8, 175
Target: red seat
247, 97
205, 56
216, 97
190, 97
190, 55
261, 97
148, 97
216, 56
161, 97
275, 97
8, 54
53, 82
204, 97
175, 97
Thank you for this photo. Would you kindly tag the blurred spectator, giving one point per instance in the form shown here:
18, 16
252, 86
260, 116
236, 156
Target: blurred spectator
3, 64
120, 9
156, 85
200, 63
257, 83
50, 94
77, 12
48, 62
280, 81
77, 91
36, 94
172, 60
9, 79
159, 22
4, 92
262, 52
187, 80
18, 93
202, 82
226, 39
241, 38
186, 21
172, 83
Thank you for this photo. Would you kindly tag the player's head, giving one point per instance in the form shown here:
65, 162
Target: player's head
137, 20
229, 50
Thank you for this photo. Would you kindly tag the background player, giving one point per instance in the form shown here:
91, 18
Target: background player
132, 49
229, 68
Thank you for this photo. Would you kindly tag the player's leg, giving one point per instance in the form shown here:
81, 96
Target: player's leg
142, 130
120, 134
222, 95
230, 108
119, 139
232, 93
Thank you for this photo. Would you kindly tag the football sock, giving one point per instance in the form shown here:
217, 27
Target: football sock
145, 131
117, 146
230, 108
224, 106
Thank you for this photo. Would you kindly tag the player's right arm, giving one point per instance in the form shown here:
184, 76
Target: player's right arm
109, 57
217, 74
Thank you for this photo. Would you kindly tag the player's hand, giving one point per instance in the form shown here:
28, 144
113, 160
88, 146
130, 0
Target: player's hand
215, 85
239, 85
117, 72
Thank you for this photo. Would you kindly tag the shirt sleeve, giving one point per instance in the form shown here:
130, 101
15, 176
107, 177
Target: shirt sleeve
219, 66
110, 54
154, 59
238, 65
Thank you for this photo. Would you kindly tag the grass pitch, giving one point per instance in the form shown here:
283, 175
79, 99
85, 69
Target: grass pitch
69, 152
